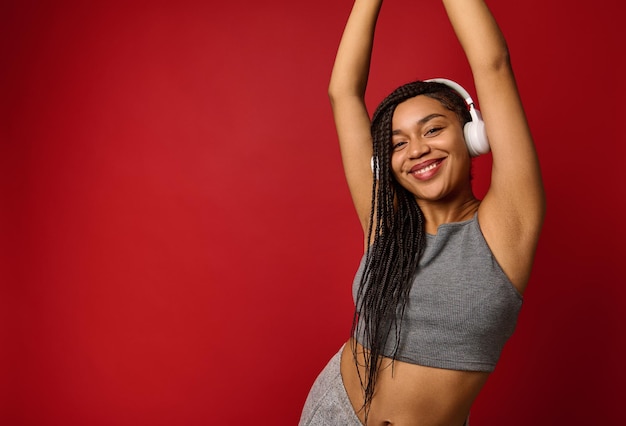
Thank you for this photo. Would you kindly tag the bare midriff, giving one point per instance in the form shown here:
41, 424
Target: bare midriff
409, 394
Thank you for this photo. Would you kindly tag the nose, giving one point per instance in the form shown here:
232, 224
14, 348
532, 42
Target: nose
418, 147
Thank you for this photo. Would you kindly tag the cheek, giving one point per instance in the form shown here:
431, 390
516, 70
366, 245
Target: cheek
395, 164
459, 142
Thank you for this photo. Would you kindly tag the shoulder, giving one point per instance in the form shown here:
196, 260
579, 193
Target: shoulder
512, 239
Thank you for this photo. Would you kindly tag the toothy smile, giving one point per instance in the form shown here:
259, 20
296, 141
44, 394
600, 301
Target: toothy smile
426, 167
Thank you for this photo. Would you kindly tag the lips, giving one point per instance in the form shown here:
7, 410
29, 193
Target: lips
426, 169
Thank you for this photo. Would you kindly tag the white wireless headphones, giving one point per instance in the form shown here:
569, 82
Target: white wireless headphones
475, 134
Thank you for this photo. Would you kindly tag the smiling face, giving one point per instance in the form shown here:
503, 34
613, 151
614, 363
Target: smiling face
429, 157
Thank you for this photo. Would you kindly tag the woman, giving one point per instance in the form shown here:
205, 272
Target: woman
441, 281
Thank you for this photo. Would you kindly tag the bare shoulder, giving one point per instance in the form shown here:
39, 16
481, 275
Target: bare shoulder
512, 236
512, 212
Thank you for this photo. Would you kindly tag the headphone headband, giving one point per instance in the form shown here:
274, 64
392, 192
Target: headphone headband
456, 86
474, 131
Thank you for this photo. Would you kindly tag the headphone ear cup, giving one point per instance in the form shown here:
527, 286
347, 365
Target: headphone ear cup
375, 167
476, 135
474, 131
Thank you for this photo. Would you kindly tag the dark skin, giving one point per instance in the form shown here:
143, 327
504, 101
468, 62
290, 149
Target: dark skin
430, 160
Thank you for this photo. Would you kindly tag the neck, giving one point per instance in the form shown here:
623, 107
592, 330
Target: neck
438, 213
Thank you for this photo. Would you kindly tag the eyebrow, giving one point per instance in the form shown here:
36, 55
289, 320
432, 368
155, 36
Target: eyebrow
420, 122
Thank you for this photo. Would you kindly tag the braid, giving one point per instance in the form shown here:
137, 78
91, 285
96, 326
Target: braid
395, 240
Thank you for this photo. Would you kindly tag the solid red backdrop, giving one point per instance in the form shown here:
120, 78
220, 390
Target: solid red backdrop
178, 239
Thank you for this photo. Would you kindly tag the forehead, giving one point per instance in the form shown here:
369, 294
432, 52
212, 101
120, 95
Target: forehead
414, 109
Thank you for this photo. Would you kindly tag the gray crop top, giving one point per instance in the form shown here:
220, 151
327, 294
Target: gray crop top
462, 308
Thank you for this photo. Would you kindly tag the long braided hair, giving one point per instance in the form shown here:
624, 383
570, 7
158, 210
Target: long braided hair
395, 239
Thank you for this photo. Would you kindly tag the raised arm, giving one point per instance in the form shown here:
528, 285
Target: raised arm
347, 95
511, 213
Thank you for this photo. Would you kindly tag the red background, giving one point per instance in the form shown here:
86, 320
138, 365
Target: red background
178, 239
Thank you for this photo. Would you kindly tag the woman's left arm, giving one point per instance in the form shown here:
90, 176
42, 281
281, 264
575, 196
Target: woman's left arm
511, 214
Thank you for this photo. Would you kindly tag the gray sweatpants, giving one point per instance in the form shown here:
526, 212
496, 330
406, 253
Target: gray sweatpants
328, 403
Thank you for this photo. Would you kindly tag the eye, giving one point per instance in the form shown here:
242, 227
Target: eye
433, 131
397, 145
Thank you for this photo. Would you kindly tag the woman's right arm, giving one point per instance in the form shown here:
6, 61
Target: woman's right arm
347, 96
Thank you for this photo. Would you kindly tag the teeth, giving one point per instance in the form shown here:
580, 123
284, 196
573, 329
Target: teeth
427, 168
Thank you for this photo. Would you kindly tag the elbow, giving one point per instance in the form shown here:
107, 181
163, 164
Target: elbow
332, 93
493, 60
342, 95
499, 60
340, 89
332, 97
502, 60
337, 92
